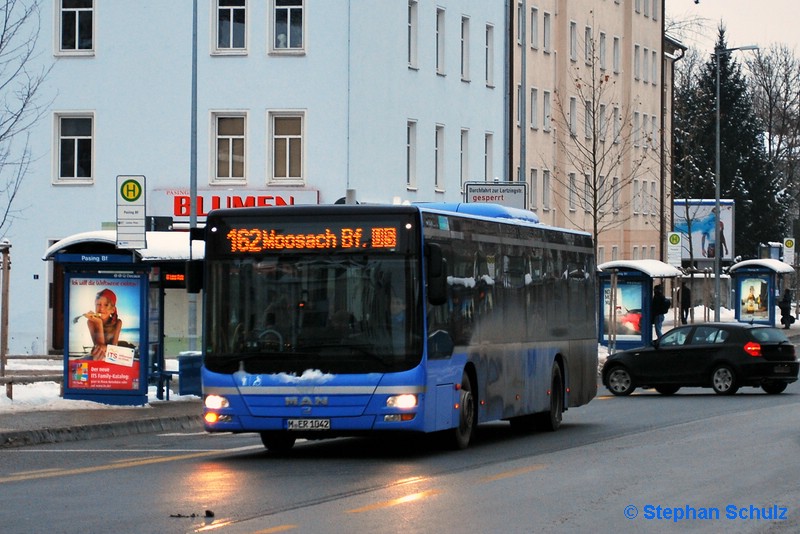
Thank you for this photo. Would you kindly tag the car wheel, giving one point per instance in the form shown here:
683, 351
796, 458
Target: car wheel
723, 380
277, 442
773, 388
667, 390
619, 381
551, 419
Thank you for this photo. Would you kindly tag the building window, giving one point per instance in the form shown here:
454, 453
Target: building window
588, 120
637, 62
636, 129
573, 192
615, 53
411, 154
534, 108
464, 157
615, 205
288, 29
646, 65
573, 116
465, 48
602, 123
488, 163
601, 255
588, 45
534, 27
77, 26
645, 204
617, 120
546, 111
646, 8
636, 199
520, 96
588, 196
489, 55
653, 199
654, 64
654, 132
638, 5
231, 25
520, 22
534, 186
412, 34
545, 190
440, 41
438, 156
614, 253
655, 9
287, 147
602, 51
573, 41
546, 34
75, 153
229, 133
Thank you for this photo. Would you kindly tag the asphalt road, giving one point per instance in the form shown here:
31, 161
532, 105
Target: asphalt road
619, 464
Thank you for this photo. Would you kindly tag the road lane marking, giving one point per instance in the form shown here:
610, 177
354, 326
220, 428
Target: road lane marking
19, 477
513, 473
395, 502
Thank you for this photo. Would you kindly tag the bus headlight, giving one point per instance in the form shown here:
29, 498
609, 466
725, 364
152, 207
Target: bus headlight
216, 402
402, 401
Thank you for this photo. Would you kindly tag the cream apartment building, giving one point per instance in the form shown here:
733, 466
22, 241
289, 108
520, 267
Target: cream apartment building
592, 120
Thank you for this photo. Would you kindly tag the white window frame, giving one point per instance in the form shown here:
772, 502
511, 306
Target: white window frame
411, 154
439, 158
637, 62
588, 200
59, 17
216, 138
465, 48
655, 10
534, 108
636, 201
439, 52
653, 199
617, 124
534, 29
646, 65
546, 189
59, 137
603, 122
546, 111
547, 33
229, 50
534, 186
464, 157
488, 156
615, 194
413, 34
573, 116
489, 55
573, 40
616, 60
291, 10
588, 45
636, 129
573, 192
654, 64
603, 57
588, 122
286, 180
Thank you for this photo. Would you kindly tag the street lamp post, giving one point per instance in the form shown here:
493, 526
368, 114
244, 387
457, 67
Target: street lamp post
717, 189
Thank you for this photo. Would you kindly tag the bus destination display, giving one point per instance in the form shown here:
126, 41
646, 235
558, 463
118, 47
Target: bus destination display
255, 240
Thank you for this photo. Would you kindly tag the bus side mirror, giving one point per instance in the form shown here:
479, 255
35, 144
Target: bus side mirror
194, 276
437, 274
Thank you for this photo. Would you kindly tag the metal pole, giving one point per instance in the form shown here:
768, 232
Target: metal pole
192, 305
4, 303
717, 188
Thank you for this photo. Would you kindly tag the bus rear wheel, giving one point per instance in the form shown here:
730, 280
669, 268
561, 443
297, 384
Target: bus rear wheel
462, 434
551, 419
277, 442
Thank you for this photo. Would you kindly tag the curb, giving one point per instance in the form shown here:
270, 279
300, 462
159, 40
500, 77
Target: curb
22, 438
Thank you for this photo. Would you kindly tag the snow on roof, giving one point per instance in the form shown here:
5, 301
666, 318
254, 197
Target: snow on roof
776, 265
161, 246
652, 268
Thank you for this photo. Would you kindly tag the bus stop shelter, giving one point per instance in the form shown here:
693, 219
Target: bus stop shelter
626, 290
756, 287
146, 289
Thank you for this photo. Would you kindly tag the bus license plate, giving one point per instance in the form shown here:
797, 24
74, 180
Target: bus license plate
308, 424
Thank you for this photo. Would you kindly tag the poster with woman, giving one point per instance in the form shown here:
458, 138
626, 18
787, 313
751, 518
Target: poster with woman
104, 332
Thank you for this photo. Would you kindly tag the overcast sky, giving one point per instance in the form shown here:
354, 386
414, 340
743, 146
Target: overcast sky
747, 22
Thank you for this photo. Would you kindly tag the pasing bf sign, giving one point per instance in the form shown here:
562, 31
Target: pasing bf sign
131, 212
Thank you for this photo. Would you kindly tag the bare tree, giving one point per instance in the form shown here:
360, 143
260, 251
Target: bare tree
601, 133
775, 82
20, 83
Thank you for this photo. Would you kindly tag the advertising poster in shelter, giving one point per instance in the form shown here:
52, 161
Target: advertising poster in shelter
104, 332
694, 219
754, 296
627, 312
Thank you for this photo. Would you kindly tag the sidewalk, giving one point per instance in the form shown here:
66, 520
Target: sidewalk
19, 429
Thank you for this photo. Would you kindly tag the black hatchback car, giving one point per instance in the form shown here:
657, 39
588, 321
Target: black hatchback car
722, 356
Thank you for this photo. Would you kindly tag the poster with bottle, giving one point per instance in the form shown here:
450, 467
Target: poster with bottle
104, 332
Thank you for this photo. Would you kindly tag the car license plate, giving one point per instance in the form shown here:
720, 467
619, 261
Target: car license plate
308, 424
781, 369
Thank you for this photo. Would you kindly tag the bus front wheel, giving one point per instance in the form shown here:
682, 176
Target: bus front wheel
466, 414
277, 442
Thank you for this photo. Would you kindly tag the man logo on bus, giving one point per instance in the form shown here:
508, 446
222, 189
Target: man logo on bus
306, 401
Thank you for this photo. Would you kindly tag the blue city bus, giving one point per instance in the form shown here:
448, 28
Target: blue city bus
344, 320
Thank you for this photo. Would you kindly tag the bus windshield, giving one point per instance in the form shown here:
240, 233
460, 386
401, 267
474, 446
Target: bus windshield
333, 310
